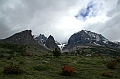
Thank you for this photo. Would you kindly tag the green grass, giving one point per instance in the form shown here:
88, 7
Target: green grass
40, 67
45, 66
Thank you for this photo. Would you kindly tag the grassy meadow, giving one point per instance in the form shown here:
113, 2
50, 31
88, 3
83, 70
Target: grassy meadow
46, 66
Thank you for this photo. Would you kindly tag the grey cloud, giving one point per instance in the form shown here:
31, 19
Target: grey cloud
3, 29
110, 28
38, 15
118, 3
115, 10
112, 31
43, 16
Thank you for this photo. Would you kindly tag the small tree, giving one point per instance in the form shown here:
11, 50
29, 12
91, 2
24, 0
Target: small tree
56, 52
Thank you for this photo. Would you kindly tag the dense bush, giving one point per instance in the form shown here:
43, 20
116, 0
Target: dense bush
67, 71
56, 52
12, 70
111, 65
9, 57
107, 74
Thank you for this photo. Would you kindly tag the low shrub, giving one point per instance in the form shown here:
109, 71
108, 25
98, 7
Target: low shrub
56, 52
67, 71
29, 54
9, 57
12, 70
107, 74
111, 65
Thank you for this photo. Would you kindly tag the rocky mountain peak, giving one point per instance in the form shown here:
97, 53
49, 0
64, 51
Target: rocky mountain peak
50, 43
41, 39
23, 37
85, 37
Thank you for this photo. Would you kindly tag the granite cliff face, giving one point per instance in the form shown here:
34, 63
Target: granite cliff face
85, 37
50, 43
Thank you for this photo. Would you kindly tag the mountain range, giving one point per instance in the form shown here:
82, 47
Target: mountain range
26, 38
82, 37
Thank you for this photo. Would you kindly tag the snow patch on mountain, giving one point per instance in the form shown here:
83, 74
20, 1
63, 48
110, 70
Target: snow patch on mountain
61, 46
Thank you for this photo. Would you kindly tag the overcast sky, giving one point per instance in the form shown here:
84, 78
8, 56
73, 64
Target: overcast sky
60, 18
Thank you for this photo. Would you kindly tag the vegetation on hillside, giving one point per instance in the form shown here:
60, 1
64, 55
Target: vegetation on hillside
14, 65
94, 50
